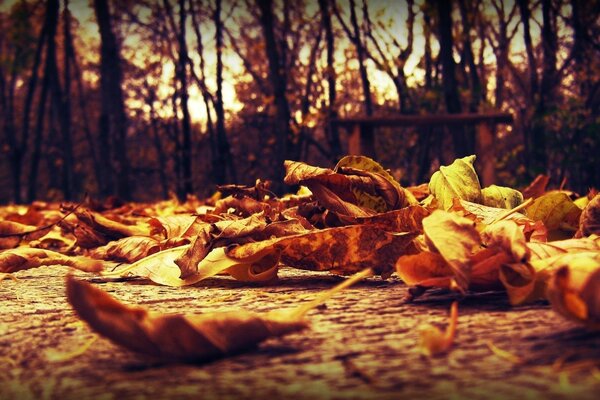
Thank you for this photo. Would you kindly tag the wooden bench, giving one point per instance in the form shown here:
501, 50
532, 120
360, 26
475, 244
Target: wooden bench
485, 138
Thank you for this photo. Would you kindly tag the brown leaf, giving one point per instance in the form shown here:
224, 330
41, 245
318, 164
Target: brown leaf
176, 337
26, 258
172, 226
589, 223
537, 187
11, 233
352, 192
574, 290
435, 342
194, 338
243, 207
128, 250
407, 219
528, 281
425, 269
343, 250
455, 239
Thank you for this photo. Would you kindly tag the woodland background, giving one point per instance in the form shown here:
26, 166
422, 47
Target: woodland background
144, 99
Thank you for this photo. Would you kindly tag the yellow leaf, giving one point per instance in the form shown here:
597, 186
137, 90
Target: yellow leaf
435, 342
455, 239
501, 197
557, 211
457, 180
574, 290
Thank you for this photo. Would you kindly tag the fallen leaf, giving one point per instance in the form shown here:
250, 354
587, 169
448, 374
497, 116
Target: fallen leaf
541, 250
501, 197
455, 239
128, 250
574, 290
528, 282
12, 233
433, 341
386, 187
425, 269
342, 250
26, 258
589, 223
190, 338
557, 211
457, 180
536, 188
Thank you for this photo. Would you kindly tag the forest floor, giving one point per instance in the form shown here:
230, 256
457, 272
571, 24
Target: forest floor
362, 345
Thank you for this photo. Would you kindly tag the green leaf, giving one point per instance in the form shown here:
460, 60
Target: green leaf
457, 180
501, 197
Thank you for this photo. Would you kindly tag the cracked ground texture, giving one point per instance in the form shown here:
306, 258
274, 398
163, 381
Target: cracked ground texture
362, 345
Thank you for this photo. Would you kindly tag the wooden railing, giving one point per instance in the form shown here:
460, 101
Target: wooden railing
484, 138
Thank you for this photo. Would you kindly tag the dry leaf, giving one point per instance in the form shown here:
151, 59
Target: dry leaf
589, 223
544, 250
527, 282
537, 188
26, 258
458, 180
128, 250
435, 342
425, 269
455, 239
386, 187
501, 197
574, 290
176, 337
192, 338
558, 212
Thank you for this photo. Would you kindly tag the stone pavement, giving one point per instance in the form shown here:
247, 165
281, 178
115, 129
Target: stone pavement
361, 345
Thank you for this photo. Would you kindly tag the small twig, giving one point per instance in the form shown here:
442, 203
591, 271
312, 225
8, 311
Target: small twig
22, 234
510, 212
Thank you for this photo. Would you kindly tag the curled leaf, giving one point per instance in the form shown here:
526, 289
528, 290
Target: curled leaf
128, 250
457, 180
501, 197
455, 239
574, 290
435, 342
557, 211
192, 338
26, 258
176, 337
589, 223
425, 269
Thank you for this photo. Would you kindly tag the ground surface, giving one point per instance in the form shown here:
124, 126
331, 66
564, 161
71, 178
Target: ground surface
362, 345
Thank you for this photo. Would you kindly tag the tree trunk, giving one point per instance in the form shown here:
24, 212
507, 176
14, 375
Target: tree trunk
333, 136
223, 161
464, 144
475, 83
50, 73
367, 137
113, 120
67, 166
186, 126
531, 62
278, 82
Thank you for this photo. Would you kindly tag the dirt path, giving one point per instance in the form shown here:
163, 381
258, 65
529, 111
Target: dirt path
362, 345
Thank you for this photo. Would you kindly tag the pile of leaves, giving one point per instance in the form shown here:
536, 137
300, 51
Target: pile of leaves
353, 219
